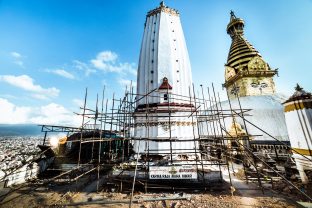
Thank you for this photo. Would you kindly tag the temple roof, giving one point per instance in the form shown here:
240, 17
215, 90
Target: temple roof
165, 85
163, 8
241, 51
299, 94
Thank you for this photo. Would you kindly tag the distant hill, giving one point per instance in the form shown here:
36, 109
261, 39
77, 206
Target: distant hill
20, 130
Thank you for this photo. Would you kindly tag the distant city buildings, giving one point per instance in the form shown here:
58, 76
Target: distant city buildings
16, 151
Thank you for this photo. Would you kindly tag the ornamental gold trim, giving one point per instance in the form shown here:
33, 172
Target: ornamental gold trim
297, 105
302, 151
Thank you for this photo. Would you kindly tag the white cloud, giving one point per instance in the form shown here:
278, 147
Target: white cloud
39, 96
129, 68
20, 63
52, 114
17, 58
16, 55
84, 67
62, 73
126, 83
78, 102
8, 96
132, 70
104, 82
107, 61
27, 83
11, 114
105, 56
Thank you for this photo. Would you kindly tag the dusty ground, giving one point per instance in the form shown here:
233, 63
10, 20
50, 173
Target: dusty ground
66, 195
41, 196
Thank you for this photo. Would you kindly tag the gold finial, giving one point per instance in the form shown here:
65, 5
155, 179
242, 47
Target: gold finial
235, 26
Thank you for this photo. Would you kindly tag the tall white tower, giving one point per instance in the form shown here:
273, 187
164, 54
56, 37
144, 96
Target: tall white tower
164, 73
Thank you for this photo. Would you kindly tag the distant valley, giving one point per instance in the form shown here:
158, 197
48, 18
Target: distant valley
20, 130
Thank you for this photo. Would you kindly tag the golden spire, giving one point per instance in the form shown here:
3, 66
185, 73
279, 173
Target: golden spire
246, 73
241, 51
236, 25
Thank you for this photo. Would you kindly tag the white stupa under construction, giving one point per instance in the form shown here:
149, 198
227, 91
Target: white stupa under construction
164, 86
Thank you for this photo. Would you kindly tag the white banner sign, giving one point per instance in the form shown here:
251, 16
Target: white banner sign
173, 172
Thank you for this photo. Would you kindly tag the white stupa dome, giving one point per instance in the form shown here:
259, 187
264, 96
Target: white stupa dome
266, 112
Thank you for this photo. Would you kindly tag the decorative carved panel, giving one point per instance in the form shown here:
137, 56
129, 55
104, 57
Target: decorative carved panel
257, 64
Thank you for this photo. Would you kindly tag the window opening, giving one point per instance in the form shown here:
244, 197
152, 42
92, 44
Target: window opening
165, 96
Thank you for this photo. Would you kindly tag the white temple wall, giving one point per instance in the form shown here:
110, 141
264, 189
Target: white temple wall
181, 128
299, 127
299, 123
267, 113
164, 52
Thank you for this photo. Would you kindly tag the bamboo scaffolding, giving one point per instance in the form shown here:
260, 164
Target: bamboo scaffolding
112, 133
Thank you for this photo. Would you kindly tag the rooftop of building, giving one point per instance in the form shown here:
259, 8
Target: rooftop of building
299, 94
165, 85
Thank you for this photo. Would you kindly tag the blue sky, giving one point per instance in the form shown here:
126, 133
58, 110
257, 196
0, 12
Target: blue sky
51, 50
